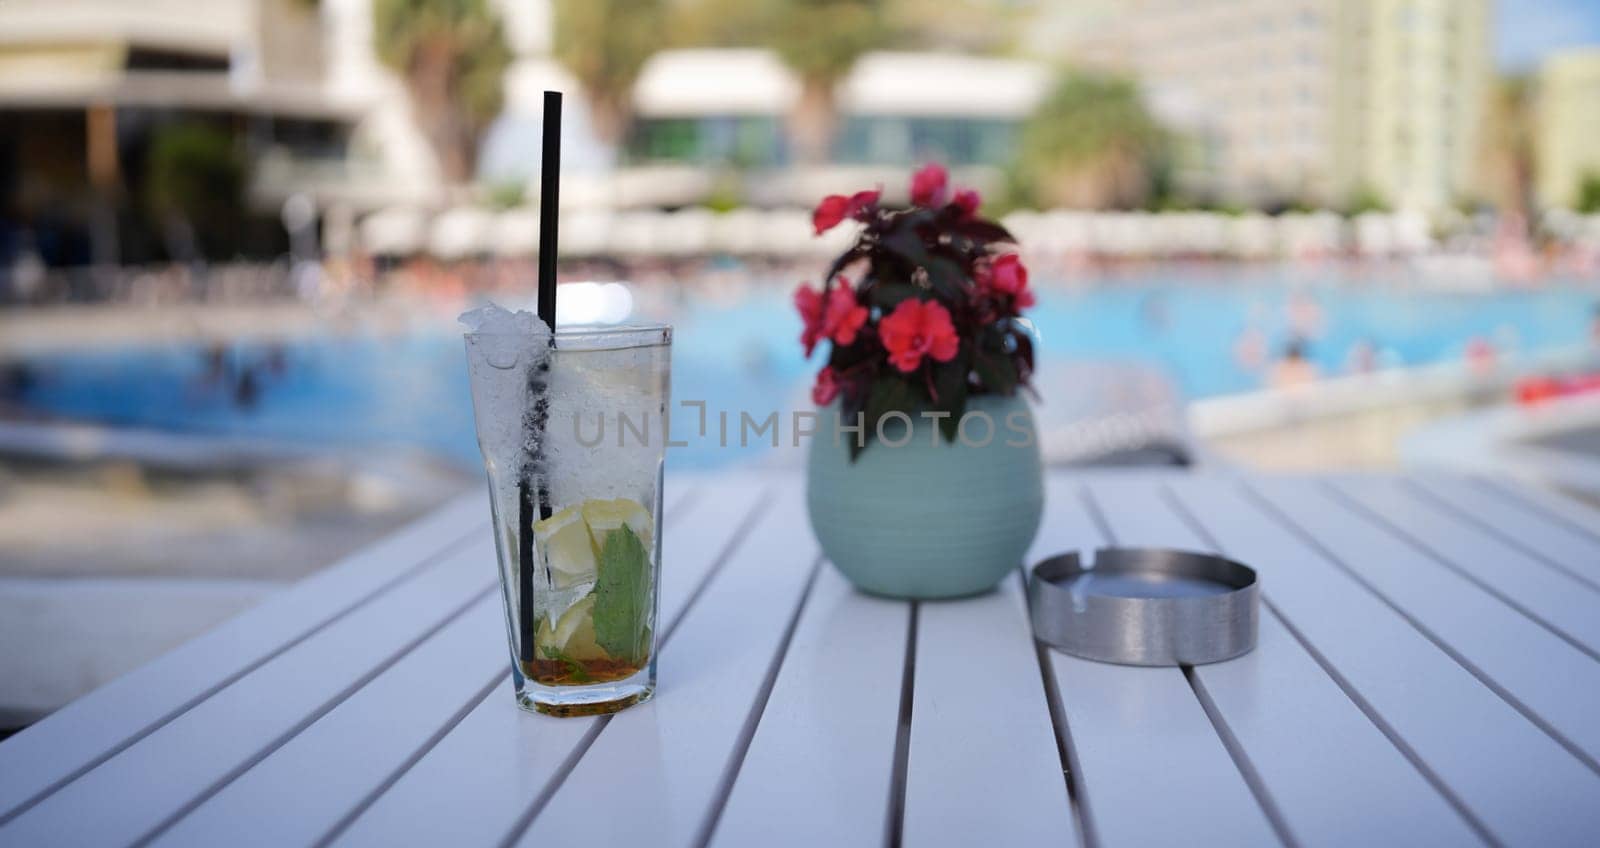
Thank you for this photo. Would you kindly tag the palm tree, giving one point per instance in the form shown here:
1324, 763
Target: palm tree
604, 43
452, 56
1091, 144
820, 40
722, 23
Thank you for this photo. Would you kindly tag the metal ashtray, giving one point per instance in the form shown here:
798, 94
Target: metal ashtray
1145, 606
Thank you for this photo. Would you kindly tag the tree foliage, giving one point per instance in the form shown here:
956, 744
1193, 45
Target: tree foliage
1365, 198
195, 183
453, 56
820, 40
1589, 194
1092, 143
722, 23
604, 43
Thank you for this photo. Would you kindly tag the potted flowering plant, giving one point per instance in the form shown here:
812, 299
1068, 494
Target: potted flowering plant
927, 354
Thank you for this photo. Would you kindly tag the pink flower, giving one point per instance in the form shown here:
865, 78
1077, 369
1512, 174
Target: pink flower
836, 207
861, 201
915, 329
844, 317
1009, 276
830, 212
968, 200
928, 185
838, 316
808, 301
826, 389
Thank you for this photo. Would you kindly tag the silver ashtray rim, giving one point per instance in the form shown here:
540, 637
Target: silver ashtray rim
1145, 631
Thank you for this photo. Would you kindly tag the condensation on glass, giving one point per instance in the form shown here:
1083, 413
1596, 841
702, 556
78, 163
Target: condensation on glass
572, 433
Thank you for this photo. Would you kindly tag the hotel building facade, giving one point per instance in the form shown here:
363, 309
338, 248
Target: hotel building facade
1319, 100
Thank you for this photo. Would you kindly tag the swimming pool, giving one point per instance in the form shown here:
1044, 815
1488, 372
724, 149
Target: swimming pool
741, 353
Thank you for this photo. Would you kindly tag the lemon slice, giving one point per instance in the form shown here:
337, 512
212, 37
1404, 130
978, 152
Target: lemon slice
565, 542
603, 516
578, 625
573, 634
575, 617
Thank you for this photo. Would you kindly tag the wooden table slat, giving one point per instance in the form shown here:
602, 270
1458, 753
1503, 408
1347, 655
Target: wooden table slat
90, 729
471, 787
510, 754
667, 759
359, 744
1543, 674
1154, 770
1559, 545
1317, 754
1549, 597
1582, 517
1525, 788
984, 767
141, 788
819, 766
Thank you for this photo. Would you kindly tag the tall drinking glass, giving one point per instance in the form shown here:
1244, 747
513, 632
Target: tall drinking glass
571, 427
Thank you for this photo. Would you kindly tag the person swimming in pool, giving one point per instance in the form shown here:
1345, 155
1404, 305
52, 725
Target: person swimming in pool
1294, 368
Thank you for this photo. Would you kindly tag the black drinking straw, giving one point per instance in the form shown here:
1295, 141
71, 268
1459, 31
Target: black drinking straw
528, 501
549, 196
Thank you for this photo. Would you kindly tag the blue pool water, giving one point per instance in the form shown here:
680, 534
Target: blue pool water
360, 390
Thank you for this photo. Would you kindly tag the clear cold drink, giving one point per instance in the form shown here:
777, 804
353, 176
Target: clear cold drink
571, 427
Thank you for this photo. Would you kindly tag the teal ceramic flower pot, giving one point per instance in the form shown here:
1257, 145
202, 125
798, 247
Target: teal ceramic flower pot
929, 518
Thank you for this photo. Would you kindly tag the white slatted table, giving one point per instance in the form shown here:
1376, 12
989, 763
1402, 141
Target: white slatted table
1428, 673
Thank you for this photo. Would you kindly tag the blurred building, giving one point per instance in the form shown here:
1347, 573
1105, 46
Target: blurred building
712, 107
1413, 84
729, 105
900, 108
710, 126
1568, 124
124, 119
1314, 100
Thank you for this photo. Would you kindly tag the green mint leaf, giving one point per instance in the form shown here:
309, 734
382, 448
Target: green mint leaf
622, 595
646, 638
